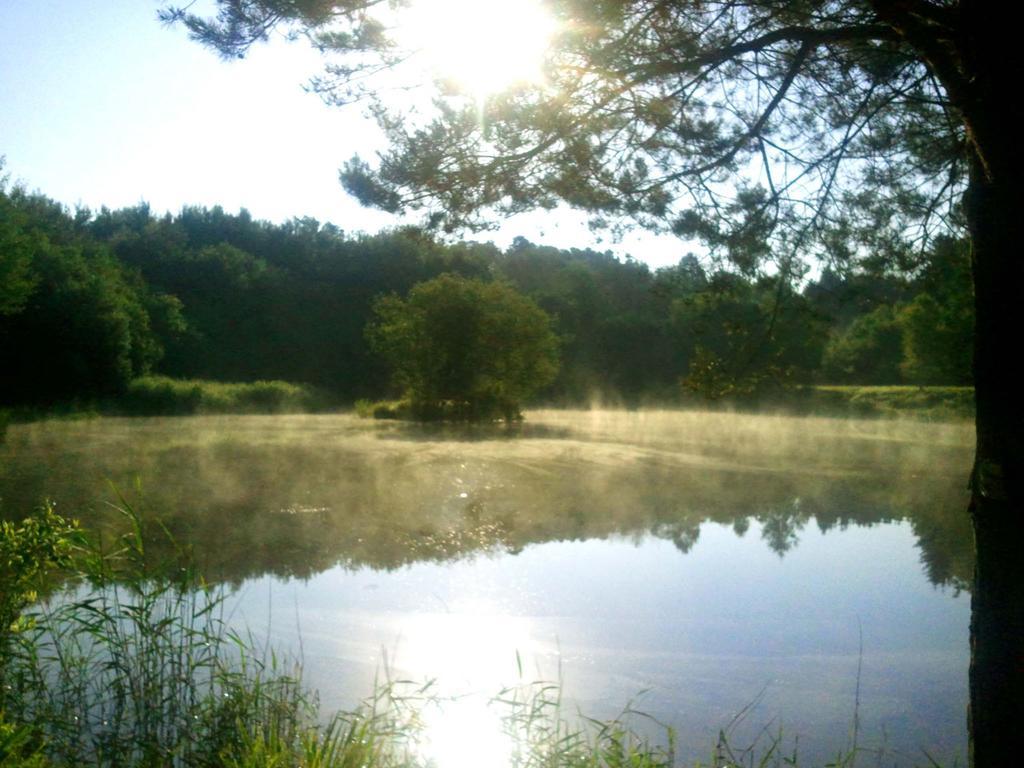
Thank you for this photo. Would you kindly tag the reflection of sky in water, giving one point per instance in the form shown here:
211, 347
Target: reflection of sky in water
679, 553
703, 633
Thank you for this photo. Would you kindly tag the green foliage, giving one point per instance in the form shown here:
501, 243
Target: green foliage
535, 719
610, 317
937, 342
214, 296
746, 338
464, 348
868, 352
709, 377
17, 280
29, 551
139, 669
938, 324
384, 409
19, 747
74, 322
161, 396
383, 732
929, 402
286, 301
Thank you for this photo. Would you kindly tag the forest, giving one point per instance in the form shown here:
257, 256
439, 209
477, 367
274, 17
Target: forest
90, 301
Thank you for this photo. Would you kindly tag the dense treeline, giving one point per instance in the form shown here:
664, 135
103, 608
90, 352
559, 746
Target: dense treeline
89, 302
75, 322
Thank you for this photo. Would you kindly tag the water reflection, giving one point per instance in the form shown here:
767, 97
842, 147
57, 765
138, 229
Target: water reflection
466, 732
467, 650
705, 557
293, 496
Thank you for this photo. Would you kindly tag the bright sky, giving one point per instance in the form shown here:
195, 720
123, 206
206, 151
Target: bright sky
102, 105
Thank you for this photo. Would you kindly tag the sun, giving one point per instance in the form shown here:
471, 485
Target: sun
482, 46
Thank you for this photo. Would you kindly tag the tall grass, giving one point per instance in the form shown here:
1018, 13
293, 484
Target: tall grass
134, 665
928, 402
164, 396
159, 395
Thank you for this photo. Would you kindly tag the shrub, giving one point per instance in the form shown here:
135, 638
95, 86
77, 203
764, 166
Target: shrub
29, 551
162, 396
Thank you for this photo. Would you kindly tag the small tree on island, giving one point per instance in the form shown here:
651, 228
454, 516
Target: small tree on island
465, 349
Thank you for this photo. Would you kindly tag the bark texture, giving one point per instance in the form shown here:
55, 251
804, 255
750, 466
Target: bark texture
994, 207
997, 507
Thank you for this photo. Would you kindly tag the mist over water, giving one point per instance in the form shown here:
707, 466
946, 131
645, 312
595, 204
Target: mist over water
712, 558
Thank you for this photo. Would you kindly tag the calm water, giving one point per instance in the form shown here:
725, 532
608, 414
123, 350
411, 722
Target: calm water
706, 560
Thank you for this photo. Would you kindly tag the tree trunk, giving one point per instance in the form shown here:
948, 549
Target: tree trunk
995, 211
985, 44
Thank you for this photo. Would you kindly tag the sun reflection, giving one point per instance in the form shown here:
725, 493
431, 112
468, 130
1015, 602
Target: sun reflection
483, 46
472, 645
466, 733
471, 652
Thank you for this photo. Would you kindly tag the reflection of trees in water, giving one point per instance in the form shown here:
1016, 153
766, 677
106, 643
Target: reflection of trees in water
293, 509
945, 539
683, 534
781, 525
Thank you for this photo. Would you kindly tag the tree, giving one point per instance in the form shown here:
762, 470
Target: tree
610, 319
16, 245
73, 321
938, 324
869, 351
465, 348
847, 127
744, 339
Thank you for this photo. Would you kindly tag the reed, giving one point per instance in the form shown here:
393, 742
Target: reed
132, 663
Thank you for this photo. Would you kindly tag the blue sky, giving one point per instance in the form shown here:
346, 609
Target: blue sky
103, 105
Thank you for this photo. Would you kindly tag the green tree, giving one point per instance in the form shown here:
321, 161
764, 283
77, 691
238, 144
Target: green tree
936, 341
79, 322
841, 298
938, 324
16, 246
611, 321
466, 348
744, 338
848, 127
869, 351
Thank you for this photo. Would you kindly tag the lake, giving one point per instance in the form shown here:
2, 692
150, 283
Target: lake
805, 572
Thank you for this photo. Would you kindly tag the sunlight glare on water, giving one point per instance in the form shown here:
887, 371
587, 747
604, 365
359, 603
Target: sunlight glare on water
466, 733
473, 647
470, 651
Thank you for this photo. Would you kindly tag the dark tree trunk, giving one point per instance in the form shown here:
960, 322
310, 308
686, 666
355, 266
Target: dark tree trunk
994, 205
995, 213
